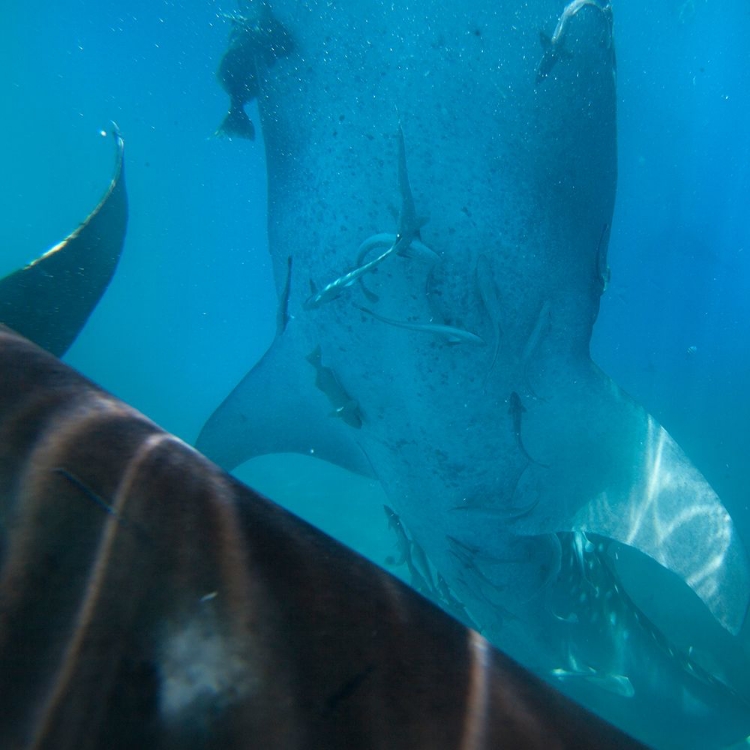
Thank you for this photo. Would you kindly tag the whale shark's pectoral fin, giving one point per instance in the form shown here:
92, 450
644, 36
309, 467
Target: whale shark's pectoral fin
50, 300
276, 408
616, 472
674, 516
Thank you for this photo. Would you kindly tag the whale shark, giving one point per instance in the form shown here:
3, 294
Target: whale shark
150, 600
50, 299
489, 455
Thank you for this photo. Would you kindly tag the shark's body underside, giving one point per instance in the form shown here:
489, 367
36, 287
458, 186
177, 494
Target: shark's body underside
518, 185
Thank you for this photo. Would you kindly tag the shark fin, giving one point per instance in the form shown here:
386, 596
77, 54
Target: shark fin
674, 517
545, 39
276, 408
635, 485
50, 300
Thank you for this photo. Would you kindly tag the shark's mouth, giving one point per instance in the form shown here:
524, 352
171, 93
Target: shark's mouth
592, 600
620, 622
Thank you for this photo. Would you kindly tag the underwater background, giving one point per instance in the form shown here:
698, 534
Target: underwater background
192, 307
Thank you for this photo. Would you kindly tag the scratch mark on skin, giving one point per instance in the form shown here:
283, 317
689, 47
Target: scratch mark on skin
99, 501
90, 494
540, 329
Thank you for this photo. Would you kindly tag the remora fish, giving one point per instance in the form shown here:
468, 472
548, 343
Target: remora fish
529, 183
50, 300
345, 407
256, 40
450, 333
409, 225
214, 618
336, 287
554, 46
516, 409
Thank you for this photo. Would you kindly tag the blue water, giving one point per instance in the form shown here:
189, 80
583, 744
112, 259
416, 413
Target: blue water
192, 308
680, 249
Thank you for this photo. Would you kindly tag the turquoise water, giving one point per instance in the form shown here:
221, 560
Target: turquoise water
192, 307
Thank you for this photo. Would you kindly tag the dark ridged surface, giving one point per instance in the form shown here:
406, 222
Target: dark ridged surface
148, 600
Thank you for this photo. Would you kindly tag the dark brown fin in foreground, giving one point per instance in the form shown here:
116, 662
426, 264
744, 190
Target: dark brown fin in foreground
50, 300
214, 618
